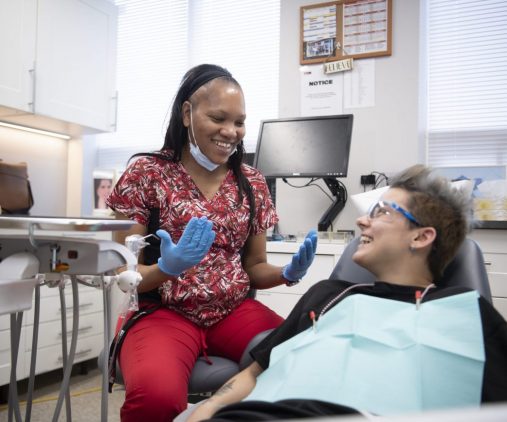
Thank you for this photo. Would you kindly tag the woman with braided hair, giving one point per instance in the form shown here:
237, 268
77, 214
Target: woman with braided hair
211, 212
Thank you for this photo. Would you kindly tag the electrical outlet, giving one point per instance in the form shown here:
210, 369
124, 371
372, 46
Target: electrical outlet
367, 179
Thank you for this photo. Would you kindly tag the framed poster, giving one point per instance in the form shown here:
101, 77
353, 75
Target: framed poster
103, 183
345, 29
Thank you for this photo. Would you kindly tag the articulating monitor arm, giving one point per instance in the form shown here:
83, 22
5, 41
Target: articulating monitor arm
340, 194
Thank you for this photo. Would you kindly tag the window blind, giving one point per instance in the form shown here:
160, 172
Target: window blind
467, 82
159, 40
243, 37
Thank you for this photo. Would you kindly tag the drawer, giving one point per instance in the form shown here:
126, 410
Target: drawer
46, 291
90, 301
50, 333
320, 269
50, 358
496, 262
5, 322
491, 241
5, 357
500, 305
5, 371
498, 284
281, 303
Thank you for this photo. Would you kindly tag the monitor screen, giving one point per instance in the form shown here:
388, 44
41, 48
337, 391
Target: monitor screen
304, 146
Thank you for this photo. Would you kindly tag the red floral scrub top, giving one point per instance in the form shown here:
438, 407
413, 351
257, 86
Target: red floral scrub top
209, 291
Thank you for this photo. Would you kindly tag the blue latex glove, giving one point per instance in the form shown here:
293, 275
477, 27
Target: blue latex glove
302, 260
193, 245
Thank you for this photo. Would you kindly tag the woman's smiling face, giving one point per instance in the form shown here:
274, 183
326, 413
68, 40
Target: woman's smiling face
215, 117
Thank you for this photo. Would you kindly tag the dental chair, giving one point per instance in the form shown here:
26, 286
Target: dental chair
467, 269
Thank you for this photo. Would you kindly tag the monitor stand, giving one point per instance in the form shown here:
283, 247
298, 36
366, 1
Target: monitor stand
271, 182
340, 194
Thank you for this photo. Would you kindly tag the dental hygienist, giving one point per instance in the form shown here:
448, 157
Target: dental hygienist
212, 212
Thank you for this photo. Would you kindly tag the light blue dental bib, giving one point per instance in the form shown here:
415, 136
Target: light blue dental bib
383, 356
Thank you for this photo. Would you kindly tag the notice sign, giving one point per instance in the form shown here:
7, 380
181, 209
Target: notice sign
321, 94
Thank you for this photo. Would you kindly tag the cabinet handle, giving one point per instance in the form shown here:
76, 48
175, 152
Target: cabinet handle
80, 353
81, 306
32, 75
115, 99
487, 263
79, 330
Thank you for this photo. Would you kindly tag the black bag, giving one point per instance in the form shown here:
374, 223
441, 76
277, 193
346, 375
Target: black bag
15, 191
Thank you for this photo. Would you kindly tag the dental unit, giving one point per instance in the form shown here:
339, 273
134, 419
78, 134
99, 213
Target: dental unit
31, 259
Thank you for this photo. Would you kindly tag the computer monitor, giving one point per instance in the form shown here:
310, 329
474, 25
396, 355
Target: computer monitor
304, 146
315, 147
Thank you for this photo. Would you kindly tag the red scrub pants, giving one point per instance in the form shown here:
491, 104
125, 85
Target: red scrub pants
160, 350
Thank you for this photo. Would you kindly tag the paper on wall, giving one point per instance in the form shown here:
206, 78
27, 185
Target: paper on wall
321, 94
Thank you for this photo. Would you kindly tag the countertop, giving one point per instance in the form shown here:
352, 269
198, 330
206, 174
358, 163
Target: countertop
490, 225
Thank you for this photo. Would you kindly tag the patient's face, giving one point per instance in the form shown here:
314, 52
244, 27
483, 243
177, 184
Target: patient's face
386, 238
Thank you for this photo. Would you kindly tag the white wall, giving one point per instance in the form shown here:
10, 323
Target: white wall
385, 137
51, 163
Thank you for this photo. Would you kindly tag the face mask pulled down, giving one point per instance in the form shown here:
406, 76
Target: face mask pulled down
196, 152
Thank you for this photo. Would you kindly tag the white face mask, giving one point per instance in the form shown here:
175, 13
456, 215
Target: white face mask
196, 152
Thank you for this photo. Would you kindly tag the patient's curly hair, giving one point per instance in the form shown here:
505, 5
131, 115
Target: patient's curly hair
436, 203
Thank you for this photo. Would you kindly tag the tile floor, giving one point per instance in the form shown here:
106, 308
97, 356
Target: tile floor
85, 394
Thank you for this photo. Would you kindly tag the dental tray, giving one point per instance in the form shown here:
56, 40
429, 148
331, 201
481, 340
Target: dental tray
56, 223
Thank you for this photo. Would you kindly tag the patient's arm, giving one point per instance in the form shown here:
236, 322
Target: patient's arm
234, 390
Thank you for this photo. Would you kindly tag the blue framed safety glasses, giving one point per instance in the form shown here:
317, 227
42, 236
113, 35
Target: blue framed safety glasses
384, 208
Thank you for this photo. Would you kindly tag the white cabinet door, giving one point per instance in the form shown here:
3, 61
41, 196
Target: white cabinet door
5, 355
500, 304
320, 269
76, 58
492, 243
17, 52
281, 303
282, 298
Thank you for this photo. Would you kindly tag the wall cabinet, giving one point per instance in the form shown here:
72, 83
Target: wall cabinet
58, 62
282, 298
18, 22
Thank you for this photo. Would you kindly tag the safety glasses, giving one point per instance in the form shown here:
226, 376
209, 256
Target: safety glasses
385, 208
